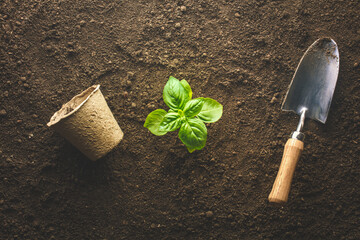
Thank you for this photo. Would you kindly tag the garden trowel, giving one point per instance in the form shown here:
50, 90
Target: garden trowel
309, 95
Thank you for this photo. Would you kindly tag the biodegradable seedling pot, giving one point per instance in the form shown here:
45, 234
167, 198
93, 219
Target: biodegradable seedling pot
87, 122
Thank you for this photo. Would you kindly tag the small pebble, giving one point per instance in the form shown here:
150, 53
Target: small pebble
274, 98
3, 112
168, 35
356, 65
178, 25
131, 75
267, 58
6, 94
26, 85
133, 104
209, 214
237, 15
183, 8
36, 223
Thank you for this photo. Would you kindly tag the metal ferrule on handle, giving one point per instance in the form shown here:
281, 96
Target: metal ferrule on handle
298, 134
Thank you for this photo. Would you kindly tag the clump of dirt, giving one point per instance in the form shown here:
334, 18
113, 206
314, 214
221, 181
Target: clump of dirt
241, 53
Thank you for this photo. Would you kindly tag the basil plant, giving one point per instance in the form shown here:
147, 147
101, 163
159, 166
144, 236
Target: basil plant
186, 114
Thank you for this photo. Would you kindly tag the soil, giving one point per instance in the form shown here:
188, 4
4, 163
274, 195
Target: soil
241, 53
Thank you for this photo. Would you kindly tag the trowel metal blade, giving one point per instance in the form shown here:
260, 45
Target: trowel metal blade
314, 81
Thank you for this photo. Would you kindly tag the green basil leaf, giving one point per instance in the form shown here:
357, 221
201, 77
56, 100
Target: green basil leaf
153, 121
175, 95
170, 122
186, 85
211, 111
190, 149
193, 134
193, 107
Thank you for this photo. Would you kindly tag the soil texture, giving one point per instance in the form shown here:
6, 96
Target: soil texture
241, 53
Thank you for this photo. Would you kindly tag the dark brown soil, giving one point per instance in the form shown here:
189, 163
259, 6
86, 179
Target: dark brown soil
241, 53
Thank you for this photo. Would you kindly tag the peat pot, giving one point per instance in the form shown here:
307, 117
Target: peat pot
88, 123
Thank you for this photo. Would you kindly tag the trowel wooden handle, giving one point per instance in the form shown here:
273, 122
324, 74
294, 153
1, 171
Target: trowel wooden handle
281, 187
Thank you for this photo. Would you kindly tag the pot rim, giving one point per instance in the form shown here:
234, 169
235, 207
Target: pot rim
64, 111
